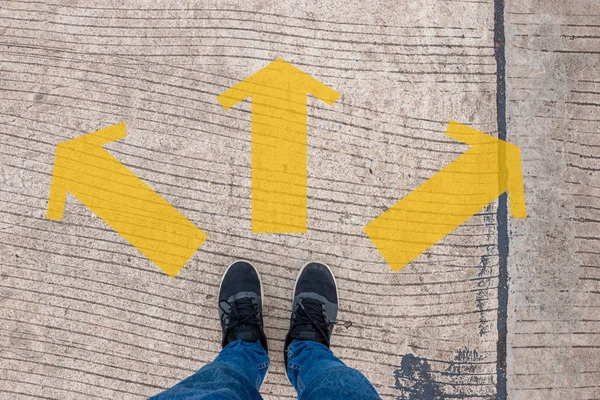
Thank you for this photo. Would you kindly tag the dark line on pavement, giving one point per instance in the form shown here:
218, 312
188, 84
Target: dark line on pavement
502, 214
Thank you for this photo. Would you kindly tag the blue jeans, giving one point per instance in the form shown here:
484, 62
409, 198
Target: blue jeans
240, 368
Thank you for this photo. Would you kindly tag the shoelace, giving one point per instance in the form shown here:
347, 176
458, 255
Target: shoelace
241, 311
310, 311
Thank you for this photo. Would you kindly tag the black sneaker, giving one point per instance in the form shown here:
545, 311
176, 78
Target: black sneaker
315, 306
240, 305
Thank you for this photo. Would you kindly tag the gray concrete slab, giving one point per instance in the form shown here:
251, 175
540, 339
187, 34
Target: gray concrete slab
85, 315
553, 79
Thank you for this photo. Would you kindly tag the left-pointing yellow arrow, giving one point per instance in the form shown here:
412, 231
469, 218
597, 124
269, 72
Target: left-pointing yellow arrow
85, 169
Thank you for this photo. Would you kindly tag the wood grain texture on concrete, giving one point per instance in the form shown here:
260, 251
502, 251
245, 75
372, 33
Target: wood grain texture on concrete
85, 315
553, 76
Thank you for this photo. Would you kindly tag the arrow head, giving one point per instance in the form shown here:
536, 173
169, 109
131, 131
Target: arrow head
504, 155
280, 81
68, 154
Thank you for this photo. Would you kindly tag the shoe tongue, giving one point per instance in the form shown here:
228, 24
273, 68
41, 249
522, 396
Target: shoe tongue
245, 332
307, 332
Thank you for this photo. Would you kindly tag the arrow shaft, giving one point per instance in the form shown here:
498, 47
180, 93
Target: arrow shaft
279, 172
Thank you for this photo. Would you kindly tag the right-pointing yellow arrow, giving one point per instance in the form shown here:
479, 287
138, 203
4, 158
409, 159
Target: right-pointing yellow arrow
279, 175
116, 195
452, 196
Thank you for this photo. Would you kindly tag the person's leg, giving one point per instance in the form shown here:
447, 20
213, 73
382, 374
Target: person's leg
311, 367
240, 368
317, 374
236, 374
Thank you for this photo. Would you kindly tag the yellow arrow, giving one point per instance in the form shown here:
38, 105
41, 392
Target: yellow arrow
452, 196
279, 176
85, 169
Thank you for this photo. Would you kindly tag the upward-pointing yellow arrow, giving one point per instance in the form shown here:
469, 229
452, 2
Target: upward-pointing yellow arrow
279, 175
116, 195
452, 196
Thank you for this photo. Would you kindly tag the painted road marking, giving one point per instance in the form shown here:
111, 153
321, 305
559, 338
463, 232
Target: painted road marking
85, 169
452, 196
279, 118
279, 179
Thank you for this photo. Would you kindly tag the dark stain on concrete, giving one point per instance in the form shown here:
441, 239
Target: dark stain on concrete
462, 363
482, 294
416, 380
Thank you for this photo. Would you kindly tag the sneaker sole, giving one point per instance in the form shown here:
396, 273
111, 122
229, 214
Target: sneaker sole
261, 293
337, 295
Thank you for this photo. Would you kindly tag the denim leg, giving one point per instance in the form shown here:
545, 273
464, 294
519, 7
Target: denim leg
236, 374
317, 374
